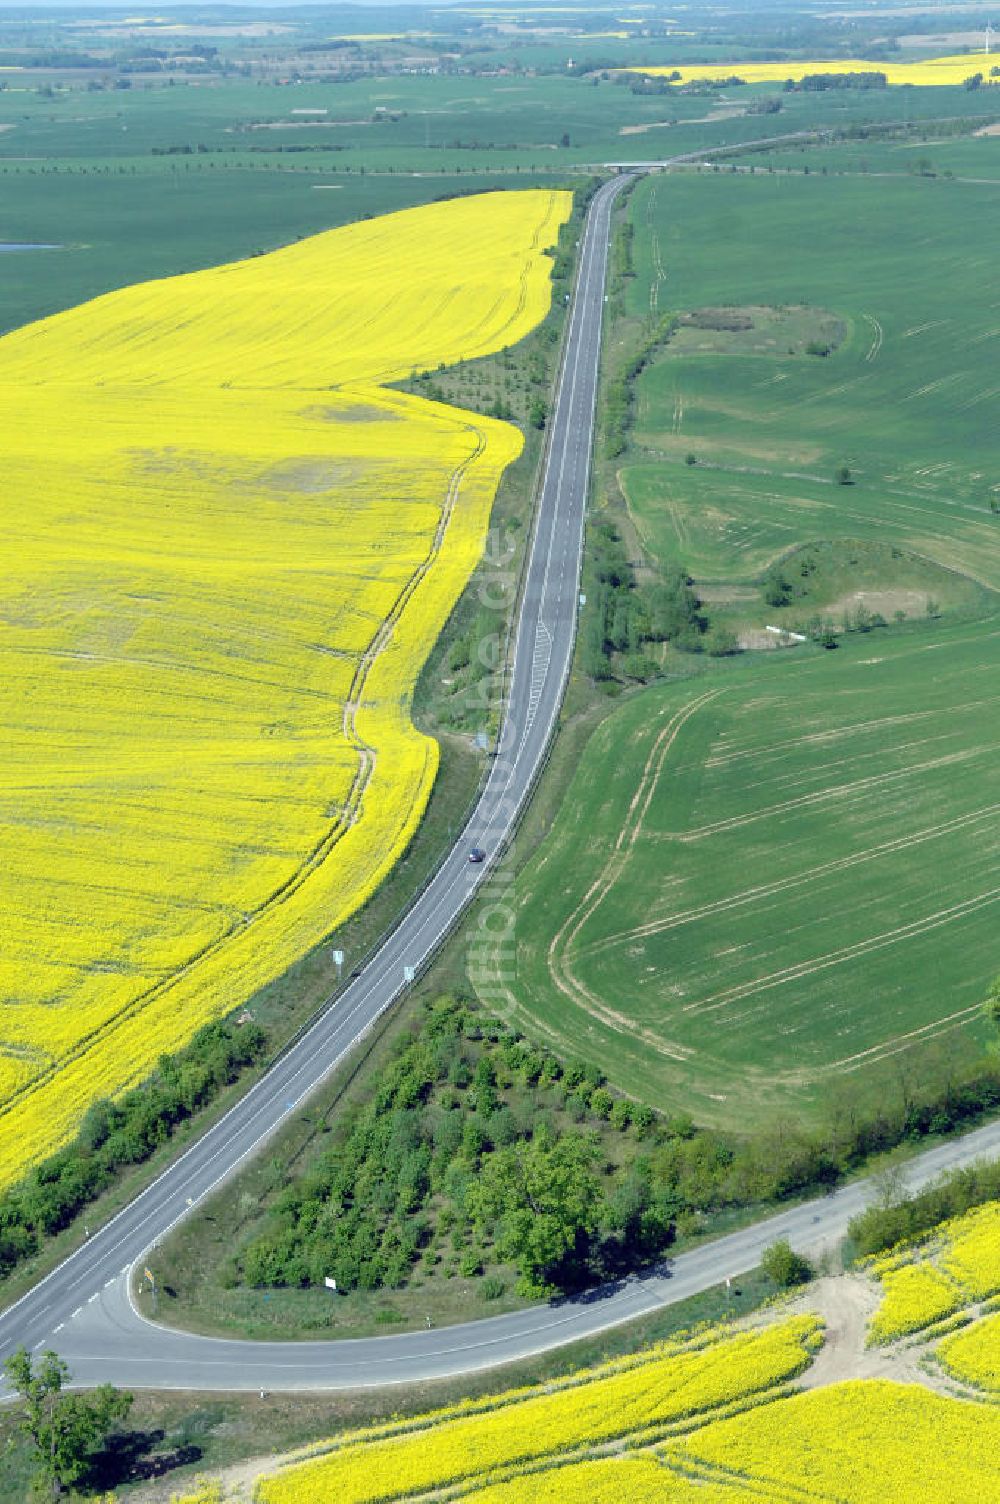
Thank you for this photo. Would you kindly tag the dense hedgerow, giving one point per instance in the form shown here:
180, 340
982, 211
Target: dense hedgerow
881, 1227
114, 1135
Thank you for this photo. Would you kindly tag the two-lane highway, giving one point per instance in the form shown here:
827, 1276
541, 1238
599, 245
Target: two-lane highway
543, 650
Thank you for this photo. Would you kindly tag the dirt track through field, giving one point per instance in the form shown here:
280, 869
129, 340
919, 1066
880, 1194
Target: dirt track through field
801, 879
558, 957
859, 788
847, 953
877, 337
838, 733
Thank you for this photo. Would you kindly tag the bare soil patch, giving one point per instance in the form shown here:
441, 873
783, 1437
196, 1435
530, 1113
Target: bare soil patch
755, 639
885, 602
755, 329
728, 595
303, 125
846, 1304
311, 477
355, 412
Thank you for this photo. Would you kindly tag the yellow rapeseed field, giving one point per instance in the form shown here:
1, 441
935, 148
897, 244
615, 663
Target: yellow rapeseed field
612, 1480
931, 71
972, 1251
669, 1385
708, 1419
957, 1265
914, 1296
973, 1354
862, 1442
227, 552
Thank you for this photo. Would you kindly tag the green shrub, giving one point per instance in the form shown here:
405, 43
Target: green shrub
784, 1266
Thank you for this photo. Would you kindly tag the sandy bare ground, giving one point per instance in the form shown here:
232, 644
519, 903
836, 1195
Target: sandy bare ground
988, 130
846, 1303
758, 640
237, 1482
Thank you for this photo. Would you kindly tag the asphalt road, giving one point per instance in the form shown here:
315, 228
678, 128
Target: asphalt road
108, 1341
83, 1308
542, 653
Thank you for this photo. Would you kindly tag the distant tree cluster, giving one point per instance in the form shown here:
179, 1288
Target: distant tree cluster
817, 83
624, 618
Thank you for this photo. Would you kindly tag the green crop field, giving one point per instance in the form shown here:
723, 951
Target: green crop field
926, 154
782, 870
775, 875
905, 399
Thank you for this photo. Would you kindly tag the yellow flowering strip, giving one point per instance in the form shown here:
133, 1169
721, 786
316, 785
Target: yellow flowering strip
914, 1296
933, 71
367, 303
207, 1492
973, 1254
226, 556
924, 1284
670, 1385
864, 1442
611, 1480
973, 1354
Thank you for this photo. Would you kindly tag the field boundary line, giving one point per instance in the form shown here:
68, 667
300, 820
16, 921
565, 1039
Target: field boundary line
856, 789
783, 885
899, 1041
695, 1469
557, 956
846, 953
